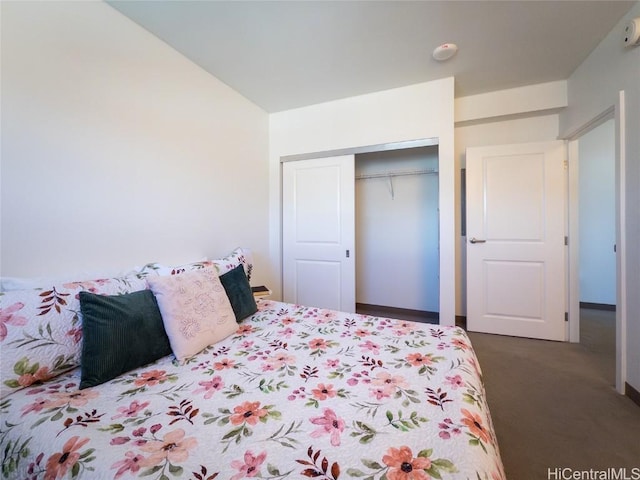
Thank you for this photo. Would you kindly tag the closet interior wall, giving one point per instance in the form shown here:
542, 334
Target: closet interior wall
397, 252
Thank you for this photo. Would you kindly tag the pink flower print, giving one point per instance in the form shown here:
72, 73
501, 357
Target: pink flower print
455, 381
332, 363
322, 391
249, 412
381, 392
41, 375
459, 344
59, 463
372, 347
249, 466
288, 320
8, 317
224, 363
318, 344
209, 387
389, 382
287, 332
330, 424
78, 398
403, 328
418, 359
174, 448
404, 466
361, 332
37, 406
151, 378
244, 330
278, 361
132, 410
326, 316
130, 464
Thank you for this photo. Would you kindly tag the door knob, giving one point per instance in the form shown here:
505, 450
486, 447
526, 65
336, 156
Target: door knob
476, 240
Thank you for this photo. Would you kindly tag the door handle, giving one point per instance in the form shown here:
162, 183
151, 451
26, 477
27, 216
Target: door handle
476, 240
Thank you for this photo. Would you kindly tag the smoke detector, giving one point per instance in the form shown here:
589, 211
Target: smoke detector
631, 34
445, 51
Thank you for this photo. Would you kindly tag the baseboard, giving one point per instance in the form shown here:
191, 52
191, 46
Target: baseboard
395, 311
632, 393
598, 306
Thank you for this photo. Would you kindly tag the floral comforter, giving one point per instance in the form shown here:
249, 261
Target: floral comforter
296, 392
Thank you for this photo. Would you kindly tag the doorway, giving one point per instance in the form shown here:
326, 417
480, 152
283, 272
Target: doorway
617, 113
597, 238
397, 234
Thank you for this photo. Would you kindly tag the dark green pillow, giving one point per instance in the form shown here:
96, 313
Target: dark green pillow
239, 292
120, 333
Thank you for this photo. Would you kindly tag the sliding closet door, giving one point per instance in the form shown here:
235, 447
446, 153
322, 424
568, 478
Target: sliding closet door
318, 210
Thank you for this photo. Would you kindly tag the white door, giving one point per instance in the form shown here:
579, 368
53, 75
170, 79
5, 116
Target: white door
318, 231
515, 240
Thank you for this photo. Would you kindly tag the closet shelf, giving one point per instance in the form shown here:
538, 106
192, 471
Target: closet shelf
430, 171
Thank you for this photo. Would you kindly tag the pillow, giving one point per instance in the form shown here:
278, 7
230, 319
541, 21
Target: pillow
120, 333
195, 310
240, 256
41, 329
8, 284
160, 269
239, 292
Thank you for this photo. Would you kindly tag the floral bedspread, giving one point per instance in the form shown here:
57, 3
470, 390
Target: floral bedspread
295, 393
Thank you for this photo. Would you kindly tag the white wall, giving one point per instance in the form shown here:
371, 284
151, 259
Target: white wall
409, 113
597, 215
593, 88
117, 150
518, 115
397, 253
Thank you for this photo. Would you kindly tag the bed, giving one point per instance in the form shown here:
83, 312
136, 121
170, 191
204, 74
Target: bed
294, 392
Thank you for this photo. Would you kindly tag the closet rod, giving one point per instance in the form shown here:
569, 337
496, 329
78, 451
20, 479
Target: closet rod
430, 171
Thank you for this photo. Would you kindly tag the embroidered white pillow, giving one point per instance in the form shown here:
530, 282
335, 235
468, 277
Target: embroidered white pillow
195, 309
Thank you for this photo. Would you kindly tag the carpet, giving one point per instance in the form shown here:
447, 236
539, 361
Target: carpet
554, 405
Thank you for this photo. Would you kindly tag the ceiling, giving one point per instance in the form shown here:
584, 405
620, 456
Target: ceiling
289, 54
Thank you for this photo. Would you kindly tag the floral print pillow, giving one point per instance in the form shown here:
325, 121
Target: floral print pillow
158, 269
239, 256
41, 329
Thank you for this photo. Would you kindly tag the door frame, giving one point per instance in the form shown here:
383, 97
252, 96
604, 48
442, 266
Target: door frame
617, 113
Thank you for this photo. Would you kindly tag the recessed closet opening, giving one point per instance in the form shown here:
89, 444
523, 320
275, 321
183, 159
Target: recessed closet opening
397, 233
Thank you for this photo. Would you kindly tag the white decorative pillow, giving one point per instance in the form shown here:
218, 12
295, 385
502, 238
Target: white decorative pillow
195, 309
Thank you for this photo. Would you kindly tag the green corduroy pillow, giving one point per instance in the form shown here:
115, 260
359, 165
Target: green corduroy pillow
238, 290
120, 333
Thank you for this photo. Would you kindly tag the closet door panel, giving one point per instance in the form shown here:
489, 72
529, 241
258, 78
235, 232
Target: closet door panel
319, 232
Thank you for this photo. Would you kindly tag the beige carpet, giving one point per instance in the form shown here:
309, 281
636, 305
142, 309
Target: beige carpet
554, 404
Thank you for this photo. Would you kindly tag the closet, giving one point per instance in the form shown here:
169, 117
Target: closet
396, 218
361, 231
